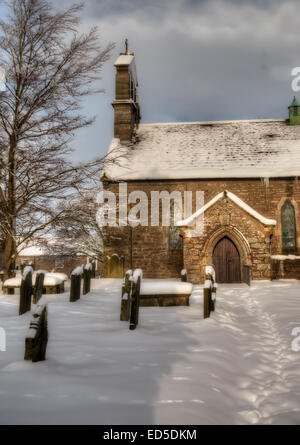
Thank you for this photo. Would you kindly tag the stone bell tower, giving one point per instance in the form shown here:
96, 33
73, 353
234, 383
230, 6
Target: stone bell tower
126, 106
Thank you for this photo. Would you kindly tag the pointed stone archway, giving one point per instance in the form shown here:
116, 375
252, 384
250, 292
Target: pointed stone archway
228, 216
238, 240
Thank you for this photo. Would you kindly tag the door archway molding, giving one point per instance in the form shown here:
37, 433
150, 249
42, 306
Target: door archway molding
238, 239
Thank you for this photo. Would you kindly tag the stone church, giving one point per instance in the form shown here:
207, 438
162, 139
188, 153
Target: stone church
248, 172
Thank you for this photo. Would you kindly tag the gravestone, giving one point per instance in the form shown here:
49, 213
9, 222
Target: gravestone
87, 272
38, 287
135, 302
114, 266
75, 284
37, 335
126, 297
25, 291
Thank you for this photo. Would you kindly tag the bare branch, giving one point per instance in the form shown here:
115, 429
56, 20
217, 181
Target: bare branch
49, 68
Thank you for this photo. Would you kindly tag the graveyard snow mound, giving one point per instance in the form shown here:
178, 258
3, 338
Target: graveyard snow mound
240, 366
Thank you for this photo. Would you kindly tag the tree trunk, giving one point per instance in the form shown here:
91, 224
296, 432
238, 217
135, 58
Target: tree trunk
9, 254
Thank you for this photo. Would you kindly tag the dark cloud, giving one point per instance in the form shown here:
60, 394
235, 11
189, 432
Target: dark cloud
157, 9
119, 8
196, 60
124, 7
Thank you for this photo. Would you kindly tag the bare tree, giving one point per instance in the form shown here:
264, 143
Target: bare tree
78, 232
49, 67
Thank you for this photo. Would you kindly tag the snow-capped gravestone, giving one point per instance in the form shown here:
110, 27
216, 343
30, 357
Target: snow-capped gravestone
135, 298
93, 271
209, 291
26, 290
183, 275
126, 296
76, 283
87, 274
25, 263
210, 273
37, 335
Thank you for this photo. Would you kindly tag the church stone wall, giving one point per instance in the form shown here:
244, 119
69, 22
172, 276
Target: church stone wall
150, 251
147, 247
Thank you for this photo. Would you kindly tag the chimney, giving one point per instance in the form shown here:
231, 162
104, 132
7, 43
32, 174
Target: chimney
294, 112
126, 107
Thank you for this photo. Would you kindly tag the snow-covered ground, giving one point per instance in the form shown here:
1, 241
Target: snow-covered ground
175, 368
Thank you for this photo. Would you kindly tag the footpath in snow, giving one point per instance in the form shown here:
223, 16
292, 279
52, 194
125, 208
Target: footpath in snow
236, 367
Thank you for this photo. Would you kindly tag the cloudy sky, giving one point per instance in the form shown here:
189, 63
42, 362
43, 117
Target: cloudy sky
197, 60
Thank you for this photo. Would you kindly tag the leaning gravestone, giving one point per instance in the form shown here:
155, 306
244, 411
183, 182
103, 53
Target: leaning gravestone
38, 287
26, 290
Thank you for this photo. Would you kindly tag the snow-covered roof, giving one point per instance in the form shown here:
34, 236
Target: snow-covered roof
47, 246
236, 200
229, 149
124, 59
33, 250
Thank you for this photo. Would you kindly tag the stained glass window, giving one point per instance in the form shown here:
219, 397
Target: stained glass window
288, 225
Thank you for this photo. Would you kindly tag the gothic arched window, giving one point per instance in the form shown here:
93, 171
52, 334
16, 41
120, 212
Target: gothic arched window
288, 225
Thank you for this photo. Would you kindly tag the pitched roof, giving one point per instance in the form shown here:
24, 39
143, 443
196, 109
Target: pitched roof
228, 149
191, 219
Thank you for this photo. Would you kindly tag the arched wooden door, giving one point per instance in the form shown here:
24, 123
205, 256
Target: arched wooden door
226, 260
